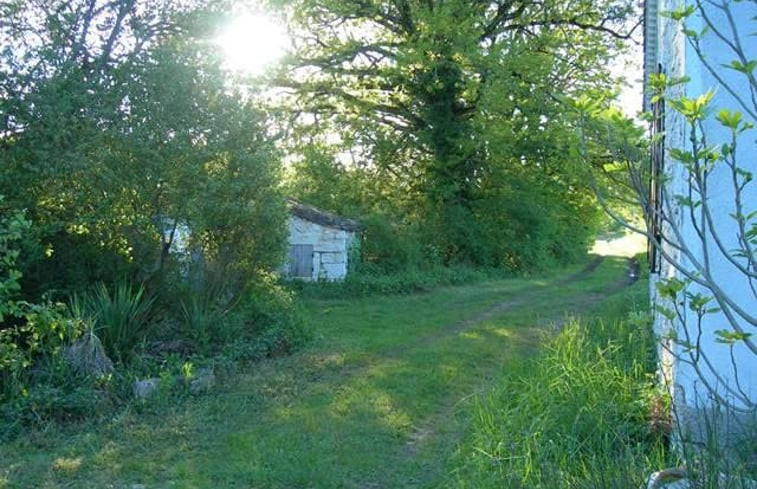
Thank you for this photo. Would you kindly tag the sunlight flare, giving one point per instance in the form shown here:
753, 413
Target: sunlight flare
252, 42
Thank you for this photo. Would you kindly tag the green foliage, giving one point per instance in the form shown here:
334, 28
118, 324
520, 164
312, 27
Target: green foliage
444, 106
508, 226
263, 320
119, 316
320, 180
203, 319
522, 230
58, 395
12, 228
136, 165
580, 415
387, 247
30, 334
111, 151
272, 311
36, 386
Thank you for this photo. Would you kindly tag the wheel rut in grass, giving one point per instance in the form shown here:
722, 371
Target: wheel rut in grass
433, 428
499, 308
408, 409
522, 298
425, 430
427, 341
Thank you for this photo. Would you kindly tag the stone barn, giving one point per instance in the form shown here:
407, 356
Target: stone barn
319, 243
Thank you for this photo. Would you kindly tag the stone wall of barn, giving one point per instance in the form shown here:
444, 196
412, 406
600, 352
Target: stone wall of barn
331, 246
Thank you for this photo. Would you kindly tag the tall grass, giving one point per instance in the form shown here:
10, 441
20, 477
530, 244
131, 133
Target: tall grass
580, 415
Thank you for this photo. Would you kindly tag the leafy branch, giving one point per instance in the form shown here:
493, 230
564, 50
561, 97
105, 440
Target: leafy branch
680, 203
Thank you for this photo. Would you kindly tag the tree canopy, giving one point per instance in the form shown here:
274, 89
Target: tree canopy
118, 127
456, 106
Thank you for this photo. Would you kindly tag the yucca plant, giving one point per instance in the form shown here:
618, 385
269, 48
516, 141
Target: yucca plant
201, 317
120, 316
205, 315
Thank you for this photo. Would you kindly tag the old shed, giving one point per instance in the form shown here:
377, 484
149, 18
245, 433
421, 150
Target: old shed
319, 243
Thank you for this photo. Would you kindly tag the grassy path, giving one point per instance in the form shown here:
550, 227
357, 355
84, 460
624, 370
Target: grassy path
379, 400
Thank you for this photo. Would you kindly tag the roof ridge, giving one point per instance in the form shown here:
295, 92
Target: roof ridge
320, 216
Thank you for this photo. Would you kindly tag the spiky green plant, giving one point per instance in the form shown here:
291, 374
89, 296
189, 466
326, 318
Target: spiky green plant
120, 314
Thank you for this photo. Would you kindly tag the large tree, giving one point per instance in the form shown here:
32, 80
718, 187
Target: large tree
118, 125
441, 96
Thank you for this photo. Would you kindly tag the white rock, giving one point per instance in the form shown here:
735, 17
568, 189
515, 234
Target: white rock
144, 388
669, 479
203, 381
86, 355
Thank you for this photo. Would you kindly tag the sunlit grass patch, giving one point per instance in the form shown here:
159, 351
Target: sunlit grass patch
505, 333
471, 335
67, 464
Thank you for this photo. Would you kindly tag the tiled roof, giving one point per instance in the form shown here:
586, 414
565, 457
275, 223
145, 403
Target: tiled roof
319, 216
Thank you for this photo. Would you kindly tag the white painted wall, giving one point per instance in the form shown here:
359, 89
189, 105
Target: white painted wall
678, 58
330, 247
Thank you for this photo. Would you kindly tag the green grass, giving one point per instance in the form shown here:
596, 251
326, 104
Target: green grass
382, 398
578, 415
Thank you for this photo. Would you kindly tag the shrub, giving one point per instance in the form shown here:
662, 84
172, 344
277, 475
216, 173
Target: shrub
523, 230
271, 314
262, 320
363, 283
203, 317
36, 336
29, 333
387, 247
56, 394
